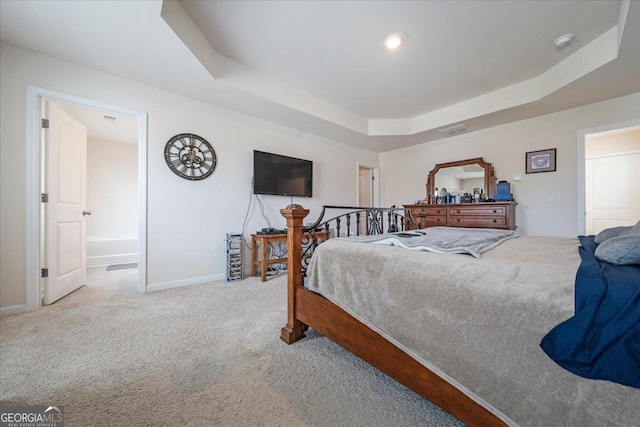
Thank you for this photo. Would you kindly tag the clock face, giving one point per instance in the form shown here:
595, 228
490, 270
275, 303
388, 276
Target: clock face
190, 156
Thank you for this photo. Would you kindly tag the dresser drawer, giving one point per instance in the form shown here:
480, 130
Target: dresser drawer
478, 210
478, 221
428, 211
429, 221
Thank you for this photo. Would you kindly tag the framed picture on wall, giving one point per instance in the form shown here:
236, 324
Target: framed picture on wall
541, 161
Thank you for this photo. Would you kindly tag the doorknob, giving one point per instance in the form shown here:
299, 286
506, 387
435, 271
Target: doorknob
86, 212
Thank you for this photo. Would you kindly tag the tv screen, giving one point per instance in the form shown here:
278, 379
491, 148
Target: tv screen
281, 175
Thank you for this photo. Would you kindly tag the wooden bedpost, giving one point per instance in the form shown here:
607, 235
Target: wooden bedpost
294, 214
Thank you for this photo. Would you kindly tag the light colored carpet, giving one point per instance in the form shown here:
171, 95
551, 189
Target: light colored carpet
204, 355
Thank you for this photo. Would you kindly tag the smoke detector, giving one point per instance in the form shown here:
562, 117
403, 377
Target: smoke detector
563, 41
454, 130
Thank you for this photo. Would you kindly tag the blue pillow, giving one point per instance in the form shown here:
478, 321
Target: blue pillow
623, 250
609, 233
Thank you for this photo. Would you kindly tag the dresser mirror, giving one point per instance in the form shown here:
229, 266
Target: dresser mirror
462, 176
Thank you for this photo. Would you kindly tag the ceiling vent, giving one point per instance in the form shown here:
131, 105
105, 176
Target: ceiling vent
454, 130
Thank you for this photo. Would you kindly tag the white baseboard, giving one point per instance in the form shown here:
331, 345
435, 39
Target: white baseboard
103, 250
14, 309
103, 260
186, 282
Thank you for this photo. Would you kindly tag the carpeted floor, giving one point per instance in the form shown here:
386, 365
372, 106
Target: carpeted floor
204, 355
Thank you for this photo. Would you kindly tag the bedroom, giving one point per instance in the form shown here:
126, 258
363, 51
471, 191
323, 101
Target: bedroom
173, 262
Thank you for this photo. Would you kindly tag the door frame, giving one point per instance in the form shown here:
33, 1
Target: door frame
581, 165
376, 183
35, 96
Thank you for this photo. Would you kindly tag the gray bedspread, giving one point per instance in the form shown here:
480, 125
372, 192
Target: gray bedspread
478, 323
472, 241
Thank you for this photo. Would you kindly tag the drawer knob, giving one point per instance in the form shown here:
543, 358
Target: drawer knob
458, 211
458, 220
438, 211
495, 211
495, 220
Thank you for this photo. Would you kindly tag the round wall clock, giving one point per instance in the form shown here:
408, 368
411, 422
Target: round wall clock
190, 156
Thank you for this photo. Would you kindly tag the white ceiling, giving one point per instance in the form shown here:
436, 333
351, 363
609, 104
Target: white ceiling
123, 129
321, 67
452, 51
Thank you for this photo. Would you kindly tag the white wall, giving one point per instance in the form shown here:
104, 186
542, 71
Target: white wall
612, 179
448, 182
187, 220
112, 189
405, 171
112, 197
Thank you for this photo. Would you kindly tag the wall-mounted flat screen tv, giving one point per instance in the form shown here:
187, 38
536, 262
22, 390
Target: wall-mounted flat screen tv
282, 175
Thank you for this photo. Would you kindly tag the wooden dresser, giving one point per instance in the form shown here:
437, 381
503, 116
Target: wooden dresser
471, 215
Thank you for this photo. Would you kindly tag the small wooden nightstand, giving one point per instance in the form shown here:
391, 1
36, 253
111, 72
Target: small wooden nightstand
264, 240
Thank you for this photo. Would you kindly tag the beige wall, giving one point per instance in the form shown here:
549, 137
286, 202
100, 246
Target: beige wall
187, 220
617, 141
469, 184
404, 172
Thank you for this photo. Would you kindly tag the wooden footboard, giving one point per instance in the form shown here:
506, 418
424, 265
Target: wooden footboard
306, 308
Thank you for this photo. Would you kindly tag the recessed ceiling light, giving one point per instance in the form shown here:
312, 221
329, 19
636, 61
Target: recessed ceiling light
393, 41
109, 118
562, 41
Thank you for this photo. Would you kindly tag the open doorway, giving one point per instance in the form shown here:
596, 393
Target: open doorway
609, 177
37, 98
368, 192
111, 214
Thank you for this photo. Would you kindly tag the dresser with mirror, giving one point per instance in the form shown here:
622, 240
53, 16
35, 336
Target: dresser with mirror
473, 177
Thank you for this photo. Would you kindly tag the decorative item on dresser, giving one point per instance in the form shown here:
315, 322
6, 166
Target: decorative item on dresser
466, 176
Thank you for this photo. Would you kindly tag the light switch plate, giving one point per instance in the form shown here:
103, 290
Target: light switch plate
553, 197
517, 177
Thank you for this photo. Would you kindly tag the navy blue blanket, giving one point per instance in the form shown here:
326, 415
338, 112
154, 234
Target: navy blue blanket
602, 340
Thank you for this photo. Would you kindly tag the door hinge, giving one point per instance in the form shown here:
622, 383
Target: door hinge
45, 123
45, 272
44, 198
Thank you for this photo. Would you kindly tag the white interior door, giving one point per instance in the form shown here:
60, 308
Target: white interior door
612, 191
65, 164
365, 196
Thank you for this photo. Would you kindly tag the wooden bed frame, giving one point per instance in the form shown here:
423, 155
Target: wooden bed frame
308, 309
